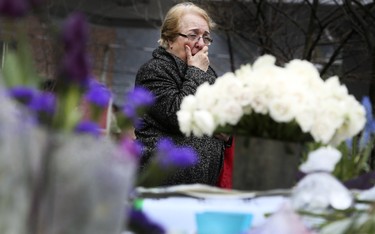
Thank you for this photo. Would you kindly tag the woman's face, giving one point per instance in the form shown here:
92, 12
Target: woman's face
190, 24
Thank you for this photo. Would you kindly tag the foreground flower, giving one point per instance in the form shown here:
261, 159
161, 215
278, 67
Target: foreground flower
319, 190
44, 102
88, 127
22, 94
136, 101
98, 94
284, 221
169, 155
131, 147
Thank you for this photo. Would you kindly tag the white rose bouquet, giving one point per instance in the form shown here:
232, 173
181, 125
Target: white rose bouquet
291, 103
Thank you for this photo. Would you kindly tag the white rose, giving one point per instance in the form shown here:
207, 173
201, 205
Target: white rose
228, 111
281, 109
205, 96
185, 121
204, 123
189, 103
264, 61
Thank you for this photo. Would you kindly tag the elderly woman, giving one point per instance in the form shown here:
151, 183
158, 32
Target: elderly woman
178, 66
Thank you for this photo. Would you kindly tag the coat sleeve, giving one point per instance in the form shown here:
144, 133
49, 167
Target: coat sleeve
169, 88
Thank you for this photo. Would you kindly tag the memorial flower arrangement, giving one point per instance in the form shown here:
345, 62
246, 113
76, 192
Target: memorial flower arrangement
290, 103
60, 171
356, 152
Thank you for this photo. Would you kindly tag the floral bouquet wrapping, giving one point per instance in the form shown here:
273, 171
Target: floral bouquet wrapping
290, 103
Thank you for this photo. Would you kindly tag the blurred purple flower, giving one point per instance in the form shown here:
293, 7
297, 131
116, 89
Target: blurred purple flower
75, 67
369, 128
43, 102
98, 94
22, 94
349, 143
75, 62
131, 146
14, 8
75, 32
140, 223
135, 102
88, 127
170, 155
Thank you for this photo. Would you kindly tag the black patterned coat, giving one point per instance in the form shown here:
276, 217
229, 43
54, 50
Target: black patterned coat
170, 79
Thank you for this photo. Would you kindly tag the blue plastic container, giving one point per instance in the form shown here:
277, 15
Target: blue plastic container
219, 222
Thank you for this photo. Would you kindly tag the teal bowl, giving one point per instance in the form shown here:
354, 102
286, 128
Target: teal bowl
219, 222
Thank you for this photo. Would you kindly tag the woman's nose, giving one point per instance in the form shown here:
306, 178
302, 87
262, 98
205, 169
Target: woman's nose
200, 42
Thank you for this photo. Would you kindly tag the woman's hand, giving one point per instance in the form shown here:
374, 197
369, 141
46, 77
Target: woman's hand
199, 60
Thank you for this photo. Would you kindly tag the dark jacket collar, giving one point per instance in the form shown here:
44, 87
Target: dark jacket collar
161, 53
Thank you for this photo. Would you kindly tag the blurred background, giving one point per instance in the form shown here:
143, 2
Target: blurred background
337, 36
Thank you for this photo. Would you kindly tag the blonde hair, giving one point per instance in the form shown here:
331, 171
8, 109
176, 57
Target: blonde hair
170, 27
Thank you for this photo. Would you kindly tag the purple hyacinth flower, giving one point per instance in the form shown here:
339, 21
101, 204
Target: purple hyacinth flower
170, 155
22, 94
131, 147
75, 65
368, 107
75, 32
98, 94
369, 128
44, 102
136, 99
14, 8
88, 127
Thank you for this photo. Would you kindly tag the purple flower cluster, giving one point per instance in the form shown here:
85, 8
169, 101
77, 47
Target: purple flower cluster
131, 147
75, 63
40, 102
170, 155
88, 127
17, 8
98, 94
136, 101
44, 102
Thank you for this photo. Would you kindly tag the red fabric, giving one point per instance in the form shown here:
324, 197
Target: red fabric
225, 179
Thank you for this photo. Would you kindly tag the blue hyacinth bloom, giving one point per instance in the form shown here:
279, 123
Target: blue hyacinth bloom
43, 102
88, 127
98, 94
170, 155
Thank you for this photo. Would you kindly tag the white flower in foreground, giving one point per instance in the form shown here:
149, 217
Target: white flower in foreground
319, 190
322, 159
284, 221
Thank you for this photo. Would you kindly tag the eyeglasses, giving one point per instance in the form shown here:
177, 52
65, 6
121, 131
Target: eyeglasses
193, 37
